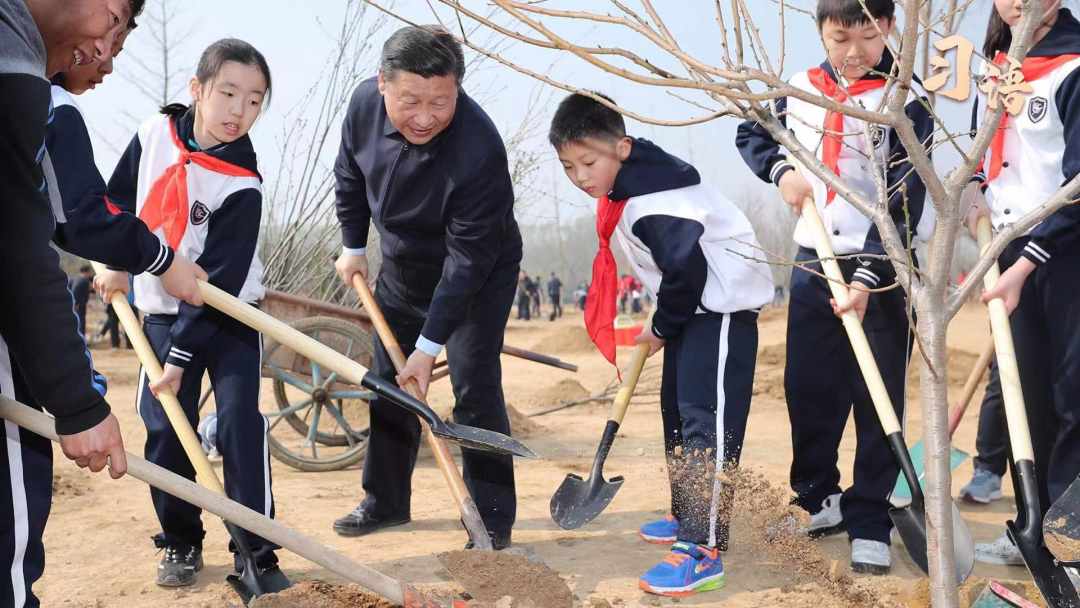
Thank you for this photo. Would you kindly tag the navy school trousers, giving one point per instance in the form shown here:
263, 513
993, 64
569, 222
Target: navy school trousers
823, 385
705, 394
233, 363
472, 353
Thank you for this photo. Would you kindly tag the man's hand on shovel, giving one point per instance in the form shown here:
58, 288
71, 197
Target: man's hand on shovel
418, 367
97, 446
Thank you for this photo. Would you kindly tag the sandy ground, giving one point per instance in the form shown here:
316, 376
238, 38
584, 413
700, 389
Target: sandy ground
100, 553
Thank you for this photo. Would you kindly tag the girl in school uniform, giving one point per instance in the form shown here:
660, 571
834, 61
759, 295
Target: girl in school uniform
190, 174
1032, 155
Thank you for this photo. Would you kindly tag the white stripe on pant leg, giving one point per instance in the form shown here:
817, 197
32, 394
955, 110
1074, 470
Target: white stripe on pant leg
18, 488
721, 397
138, 395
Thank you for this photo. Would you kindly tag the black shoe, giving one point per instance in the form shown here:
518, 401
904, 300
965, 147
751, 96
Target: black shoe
178, 566
360, 522
498, 541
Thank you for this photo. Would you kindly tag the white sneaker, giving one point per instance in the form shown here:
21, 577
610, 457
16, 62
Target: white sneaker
870, 556
1001, 551
827, 521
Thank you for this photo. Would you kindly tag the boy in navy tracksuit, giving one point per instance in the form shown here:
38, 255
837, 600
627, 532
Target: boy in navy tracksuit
822, 381
692, 248
194, 181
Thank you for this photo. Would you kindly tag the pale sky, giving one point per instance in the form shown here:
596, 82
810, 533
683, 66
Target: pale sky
296, 37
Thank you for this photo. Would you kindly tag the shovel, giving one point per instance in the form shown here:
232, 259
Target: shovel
346, 368
305, 546
252, 581
956, 457
1061, 526
910, 520
578, 501
470, 515
1049, 576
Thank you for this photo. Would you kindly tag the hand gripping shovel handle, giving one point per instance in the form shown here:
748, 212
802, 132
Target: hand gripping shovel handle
257, 523
470, 515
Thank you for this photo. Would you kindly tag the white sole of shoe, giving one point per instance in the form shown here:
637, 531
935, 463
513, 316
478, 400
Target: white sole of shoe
997, 560
981, 500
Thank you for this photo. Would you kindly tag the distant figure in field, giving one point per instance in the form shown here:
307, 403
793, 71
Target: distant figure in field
554, 289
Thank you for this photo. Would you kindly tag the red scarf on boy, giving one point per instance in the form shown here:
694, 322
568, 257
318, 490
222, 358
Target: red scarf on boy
1033, 68
834, 121
167, 204
604, 290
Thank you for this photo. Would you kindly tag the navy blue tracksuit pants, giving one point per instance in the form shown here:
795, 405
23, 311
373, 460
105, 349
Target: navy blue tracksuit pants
705, 400
234, 364
1046, 332
25, 497
472, 353
823, 385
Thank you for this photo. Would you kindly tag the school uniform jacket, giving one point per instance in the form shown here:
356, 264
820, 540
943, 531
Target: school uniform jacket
86, 223
851, 231
691, 247
37, 320
1042, 148
222, 230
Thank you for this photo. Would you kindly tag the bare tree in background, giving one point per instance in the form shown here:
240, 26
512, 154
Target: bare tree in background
743, 83
159, 68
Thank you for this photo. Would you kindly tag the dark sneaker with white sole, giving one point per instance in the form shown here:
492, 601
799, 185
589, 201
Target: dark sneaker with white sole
178, 566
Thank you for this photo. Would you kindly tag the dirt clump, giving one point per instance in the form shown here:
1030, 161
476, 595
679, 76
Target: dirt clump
572, 339
320, 594
1063, 547
521, 425
567, 389
62, 486
491, 576
918, 594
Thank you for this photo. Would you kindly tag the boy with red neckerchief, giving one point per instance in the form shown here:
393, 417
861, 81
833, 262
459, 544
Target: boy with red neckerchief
693, 250
822, 381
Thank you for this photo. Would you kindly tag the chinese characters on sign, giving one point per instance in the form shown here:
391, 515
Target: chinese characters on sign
1002, 85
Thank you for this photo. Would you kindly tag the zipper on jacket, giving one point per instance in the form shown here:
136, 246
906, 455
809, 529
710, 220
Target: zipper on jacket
390, 178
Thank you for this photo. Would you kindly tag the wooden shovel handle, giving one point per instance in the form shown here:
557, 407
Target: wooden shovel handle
1008, 370
234, 512
970, 385
630, 380
470, 515
863, 355
204, 473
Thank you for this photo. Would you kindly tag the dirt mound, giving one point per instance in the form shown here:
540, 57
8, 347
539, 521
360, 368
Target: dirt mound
959, 366
769, 372
490, 576
566, 389
319, 594
573, 339
521, 425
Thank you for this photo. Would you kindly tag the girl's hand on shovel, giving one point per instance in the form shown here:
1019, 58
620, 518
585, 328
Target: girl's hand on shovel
648, 337
857, 300
169, 380
418, 367
1010, 284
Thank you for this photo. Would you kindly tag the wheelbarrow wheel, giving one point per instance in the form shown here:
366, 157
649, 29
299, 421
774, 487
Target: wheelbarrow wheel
326, 421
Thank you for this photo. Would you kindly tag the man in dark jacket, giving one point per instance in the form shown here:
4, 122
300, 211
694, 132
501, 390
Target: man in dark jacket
422, 160
554, 289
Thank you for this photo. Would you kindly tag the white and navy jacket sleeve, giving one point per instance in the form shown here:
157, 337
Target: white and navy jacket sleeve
760, 151
90, 227
675, 244
1061, 230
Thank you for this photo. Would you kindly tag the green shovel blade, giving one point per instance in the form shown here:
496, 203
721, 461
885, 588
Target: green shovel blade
901, 492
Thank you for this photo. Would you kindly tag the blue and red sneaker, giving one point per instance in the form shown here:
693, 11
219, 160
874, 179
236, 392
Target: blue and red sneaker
660, 532
687, 570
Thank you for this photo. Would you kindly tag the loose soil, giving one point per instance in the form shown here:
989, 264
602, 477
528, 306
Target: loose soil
490, 576
112, 562
320, 594
521, 425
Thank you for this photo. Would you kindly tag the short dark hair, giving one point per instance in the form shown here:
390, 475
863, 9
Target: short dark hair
136, 10
851, 12
580, 116
426, 50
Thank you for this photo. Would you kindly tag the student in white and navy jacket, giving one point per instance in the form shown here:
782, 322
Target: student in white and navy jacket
222, 230
1038, 152
694, 251
822, 381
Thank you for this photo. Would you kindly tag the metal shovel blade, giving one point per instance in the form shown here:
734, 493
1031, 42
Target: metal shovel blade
253, 582
910, 522
1061, 526
578, 501
1049, 575
481, 439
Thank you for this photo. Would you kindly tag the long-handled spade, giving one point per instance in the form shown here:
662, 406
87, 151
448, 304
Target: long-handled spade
470, 515
1050, 576
910, 520
1061, 526
252, 581
577, 501
347, 369
401, 594
901, 491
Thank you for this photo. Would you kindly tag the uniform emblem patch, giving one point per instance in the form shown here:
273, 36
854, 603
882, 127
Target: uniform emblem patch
199, 213
877, 135
1036, 108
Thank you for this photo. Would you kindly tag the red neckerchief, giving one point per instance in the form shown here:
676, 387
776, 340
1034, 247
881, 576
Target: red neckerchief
834, 121
604, 290
1033, 68
167, 204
